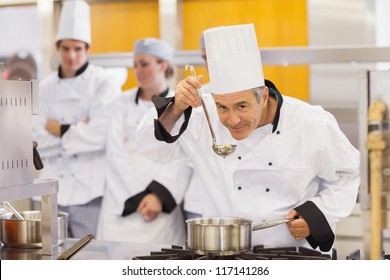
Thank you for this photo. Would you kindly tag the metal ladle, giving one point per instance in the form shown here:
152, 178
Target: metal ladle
16, 213
221, 150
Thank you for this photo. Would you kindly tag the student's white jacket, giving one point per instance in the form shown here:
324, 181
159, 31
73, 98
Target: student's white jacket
129, 173
77, 158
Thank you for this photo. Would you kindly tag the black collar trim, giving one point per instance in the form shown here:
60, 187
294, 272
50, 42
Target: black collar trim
279, 99
139, 92
78, 72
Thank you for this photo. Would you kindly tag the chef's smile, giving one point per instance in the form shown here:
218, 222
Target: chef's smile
236, 130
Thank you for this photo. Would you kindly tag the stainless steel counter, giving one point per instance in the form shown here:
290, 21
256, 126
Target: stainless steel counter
95, 250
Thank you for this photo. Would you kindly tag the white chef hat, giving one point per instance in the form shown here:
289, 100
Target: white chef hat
233, 58
155, 47
75, 22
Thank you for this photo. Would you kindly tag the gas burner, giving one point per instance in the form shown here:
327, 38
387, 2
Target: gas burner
259, 252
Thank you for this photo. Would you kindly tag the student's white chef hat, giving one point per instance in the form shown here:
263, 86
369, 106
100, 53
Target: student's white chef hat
233, 58
155, 47
75, 22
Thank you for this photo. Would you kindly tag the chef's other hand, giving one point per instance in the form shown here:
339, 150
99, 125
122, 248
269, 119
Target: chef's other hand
149, 207
186, 93
299, 229
53, 127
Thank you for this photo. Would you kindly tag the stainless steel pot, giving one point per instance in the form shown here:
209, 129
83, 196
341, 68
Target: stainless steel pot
223, 236
27, 233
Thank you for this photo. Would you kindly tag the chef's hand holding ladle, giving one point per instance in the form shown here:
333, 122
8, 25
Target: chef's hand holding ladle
221, 150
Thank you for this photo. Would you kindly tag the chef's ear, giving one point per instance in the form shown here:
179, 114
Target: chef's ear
164, 64
265, 95
167, 68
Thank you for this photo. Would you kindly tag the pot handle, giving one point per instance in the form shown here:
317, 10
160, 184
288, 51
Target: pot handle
272, 223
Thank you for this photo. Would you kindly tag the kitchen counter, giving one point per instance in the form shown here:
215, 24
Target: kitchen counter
95, 250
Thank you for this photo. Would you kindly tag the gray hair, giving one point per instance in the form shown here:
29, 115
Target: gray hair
258, 91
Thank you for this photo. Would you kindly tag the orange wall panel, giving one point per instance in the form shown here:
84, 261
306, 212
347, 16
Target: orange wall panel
277, 23
117, 25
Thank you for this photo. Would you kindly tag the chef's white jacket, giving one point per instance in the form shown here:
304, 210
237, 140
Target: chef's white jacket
192, 201
129, 173
306, 161
77, 158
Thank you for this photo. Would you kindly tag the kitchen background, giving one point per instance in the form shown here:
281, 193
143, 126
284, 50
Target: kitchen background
316, 50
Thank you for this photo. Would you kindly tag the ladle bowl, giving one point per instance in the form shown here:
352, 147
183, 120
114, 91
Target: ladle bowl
224, 150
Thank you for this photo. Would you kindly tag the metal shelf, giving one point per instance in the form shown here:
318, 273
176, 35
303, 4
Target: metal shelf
270, 56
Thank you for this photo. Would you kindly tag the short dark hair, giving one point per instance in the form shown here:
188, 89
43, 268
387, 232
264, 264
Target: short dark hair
58, 44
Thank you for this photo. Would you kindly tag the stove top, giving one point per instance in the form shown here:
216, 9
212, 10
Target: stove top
258, 252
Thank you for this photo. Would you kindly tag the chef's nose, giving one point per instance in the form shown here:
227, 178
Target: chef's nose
233, 118
72, 54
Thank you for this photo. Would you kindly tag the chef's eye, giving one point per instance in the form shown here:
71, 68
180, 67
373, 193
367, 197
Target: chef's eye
242, 108
141, 64
221, 108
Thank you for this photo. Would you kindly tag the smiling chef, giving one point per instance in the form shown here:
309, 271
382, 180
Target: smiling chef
292, 159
